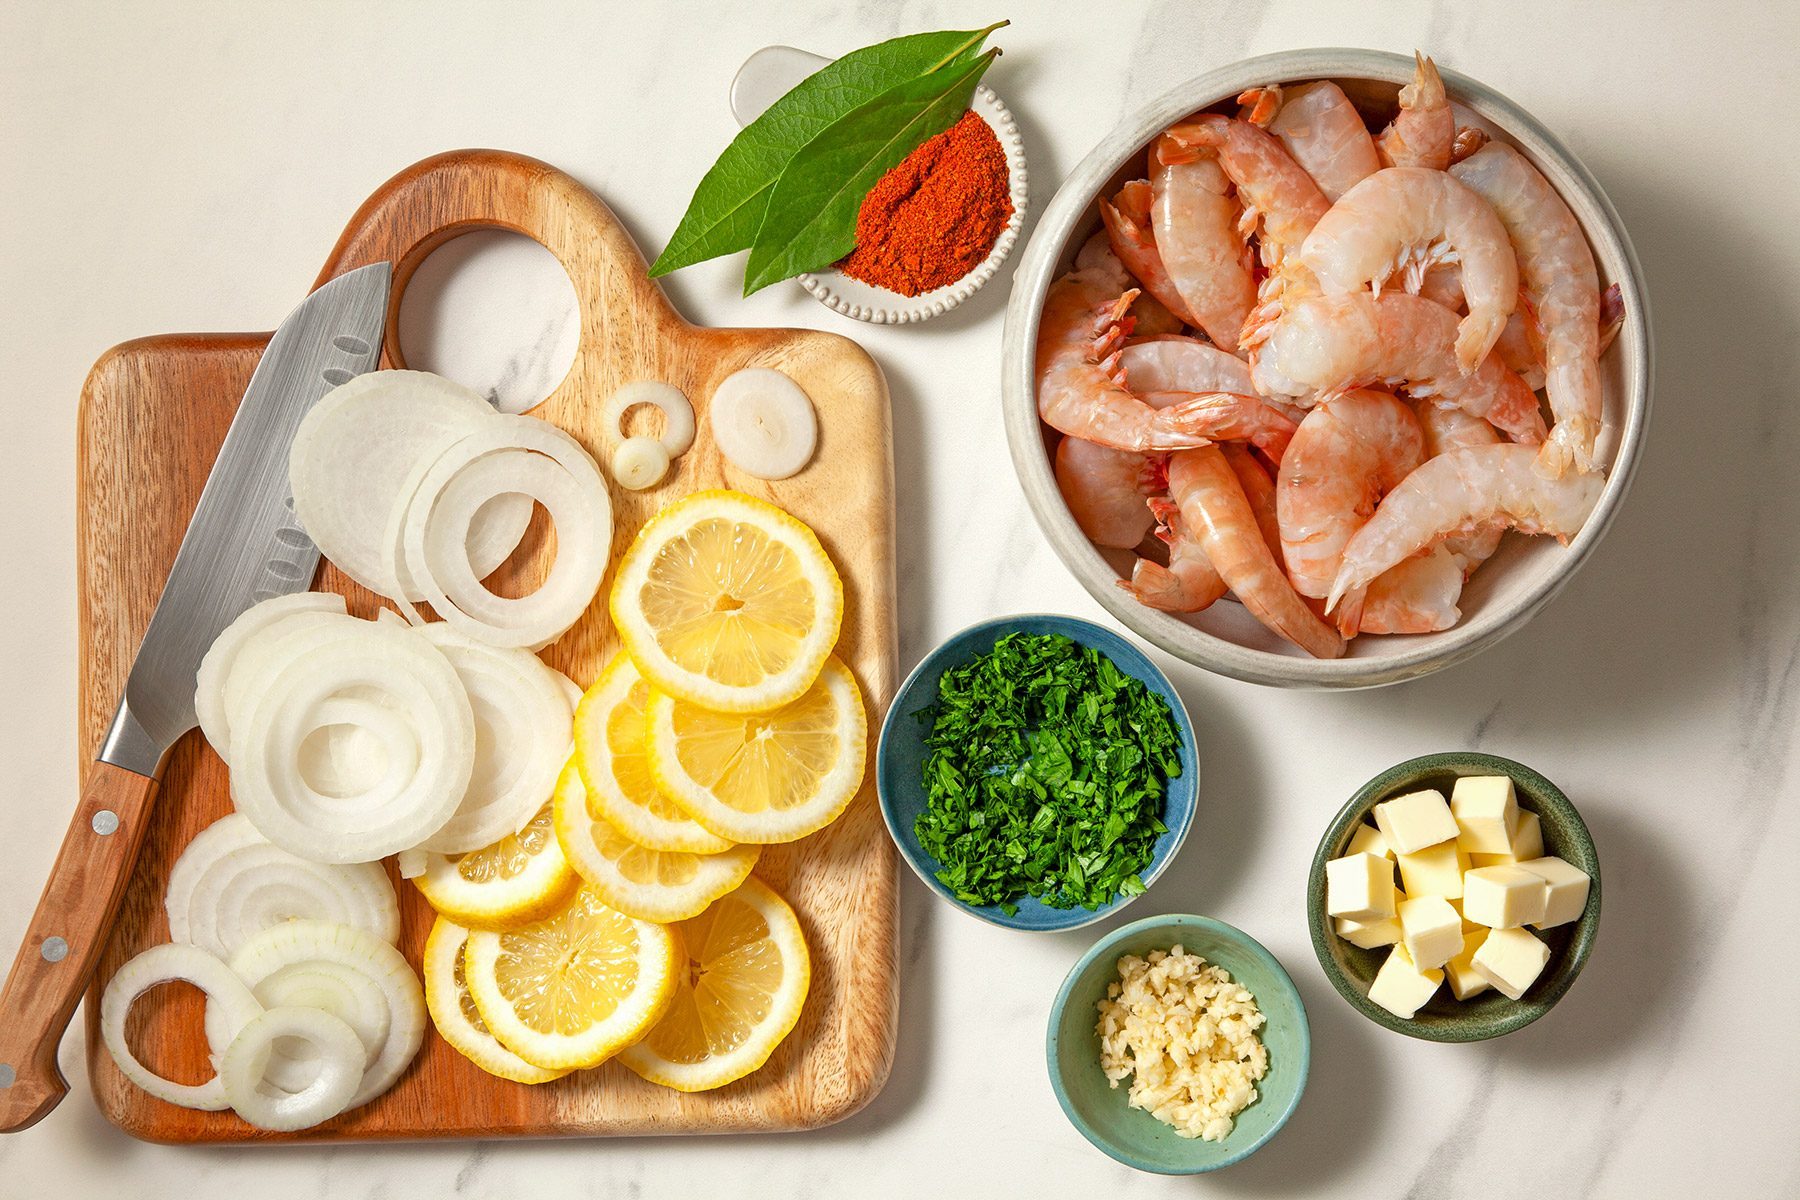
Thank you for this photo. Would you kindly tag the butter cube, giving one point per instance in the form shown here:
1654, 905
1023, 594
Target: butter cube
1415, 821
1511, 960
1486, 813
1527, 844
1568, 892
1431, 931
1434, 871
1368, 840
1504, 897
1465, 980
1361, 887
1369, 934
1400, 987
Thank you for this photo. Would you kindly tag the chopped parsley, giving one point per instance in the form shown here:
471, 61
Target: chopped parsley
1046, 776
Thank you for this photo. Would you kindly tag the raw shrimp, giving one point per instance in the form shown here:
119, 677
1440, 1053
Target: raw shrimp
1183, 365
1322, 130
1404, 221
1559, 278
1149, 318
1127, 221
1081, 392
1416, 596
1259, 490
1330, 343
1274, 189
1519, 347
1189, 583
1448, 429
1348, 453
1195, 219
1213, 505
1107, 492
1459, 492
1423, 134
1232, 417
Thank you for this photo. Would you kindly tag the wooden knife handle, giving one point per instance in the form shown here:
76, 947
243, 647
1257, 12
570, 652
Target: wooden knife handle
66, 936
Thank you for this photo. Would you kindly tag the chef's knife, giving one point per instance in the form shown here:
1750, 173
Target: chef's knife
242, 545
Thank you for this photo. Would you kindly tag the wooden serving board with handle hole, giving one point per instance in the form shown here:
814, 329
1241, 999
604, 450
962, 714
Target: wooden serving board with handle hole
153, 415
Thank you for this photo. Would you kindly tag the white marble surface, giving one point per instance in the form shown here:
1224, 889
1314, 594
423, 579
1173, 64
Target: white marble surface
187, 166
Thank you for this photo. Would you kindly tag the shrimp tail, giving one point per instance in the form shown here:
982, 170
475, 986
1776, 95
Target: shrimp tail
1260, 104
1350, 611
1612, 316
1468, 140
1475, 336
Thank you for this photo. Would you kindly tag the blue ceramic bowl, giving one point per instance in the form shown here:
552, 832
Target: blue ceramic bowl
900, 760
1131, 1135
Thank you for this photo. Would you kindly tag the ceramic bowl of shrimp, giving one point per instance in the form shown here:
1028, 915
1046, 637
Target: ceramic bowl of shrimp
1378, 423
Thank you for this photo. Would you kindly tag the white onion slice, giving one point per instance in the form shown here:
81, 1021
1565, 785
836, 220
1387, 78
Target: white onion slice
222, 655
344, 992
402, 690
318, 942
530, 457
523, 724
677, 410
364, 446
340, 1074
209, 845
412, 863
763, 423
230, 884
164, 964
639, 463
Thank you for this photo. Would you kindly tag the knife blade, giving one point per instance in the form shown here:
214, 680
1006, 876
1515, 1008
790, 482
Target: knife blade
242, 545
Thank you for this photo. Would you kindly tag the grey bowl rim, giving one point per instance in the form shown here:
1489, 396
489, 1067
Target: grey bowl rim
1031, 281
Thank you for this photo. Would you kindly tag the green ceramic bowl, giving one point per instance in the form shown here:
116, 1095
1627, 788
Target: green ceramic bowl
1444, 1018
1133, 1136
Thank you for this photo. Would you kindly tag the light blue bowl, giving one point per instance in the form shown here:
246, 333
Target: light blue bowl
900, 759
1131, 1135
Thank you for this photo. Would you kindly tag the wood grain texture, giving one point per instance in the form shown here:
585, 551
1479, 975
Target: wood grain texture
153, 415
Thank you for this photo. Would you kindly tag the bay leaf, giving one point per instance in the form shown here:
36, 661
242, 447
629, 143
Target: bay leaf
811, 217
728, 206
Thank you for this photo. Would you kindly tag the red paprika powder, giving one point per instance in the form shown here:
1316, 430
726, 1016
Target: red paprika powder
934, 218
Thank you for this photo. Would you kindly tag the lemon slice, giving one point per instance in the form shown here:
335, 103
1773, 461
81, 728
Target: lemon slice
764, 777
728, 602
745, 976
572, 989
512, 882
651, 885
453, 1009
610, 730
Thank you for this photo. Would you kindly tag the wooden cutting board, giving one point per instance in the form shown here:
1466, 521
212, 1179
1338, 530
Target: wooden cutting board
153, 415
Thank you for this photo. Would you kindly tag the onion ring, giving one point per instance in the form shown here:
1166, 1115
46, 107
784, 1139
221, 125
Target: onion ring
340, 1069
215, 668
165, 964
344, 992
421, 788
312, 942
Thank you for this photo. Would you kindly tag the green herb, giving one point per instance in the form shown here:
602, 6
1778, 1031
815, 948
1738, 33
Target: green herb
1046, 777
728, 206
811, 221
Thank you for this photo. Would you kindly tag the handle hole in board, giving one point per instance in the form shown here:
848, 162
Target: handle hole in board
490, 308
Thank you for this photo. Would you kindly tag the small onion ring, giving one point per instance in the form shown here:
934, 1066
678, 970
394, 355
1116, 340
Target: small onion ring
322, 942
639, 463
533, 458
677, 410
344, 992
164, 964
412, 677
340, 1069
522, 739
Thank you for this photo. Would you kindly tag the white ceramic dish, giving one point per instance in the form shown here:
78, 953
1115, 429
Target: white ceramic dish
1512, 586
766, 76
